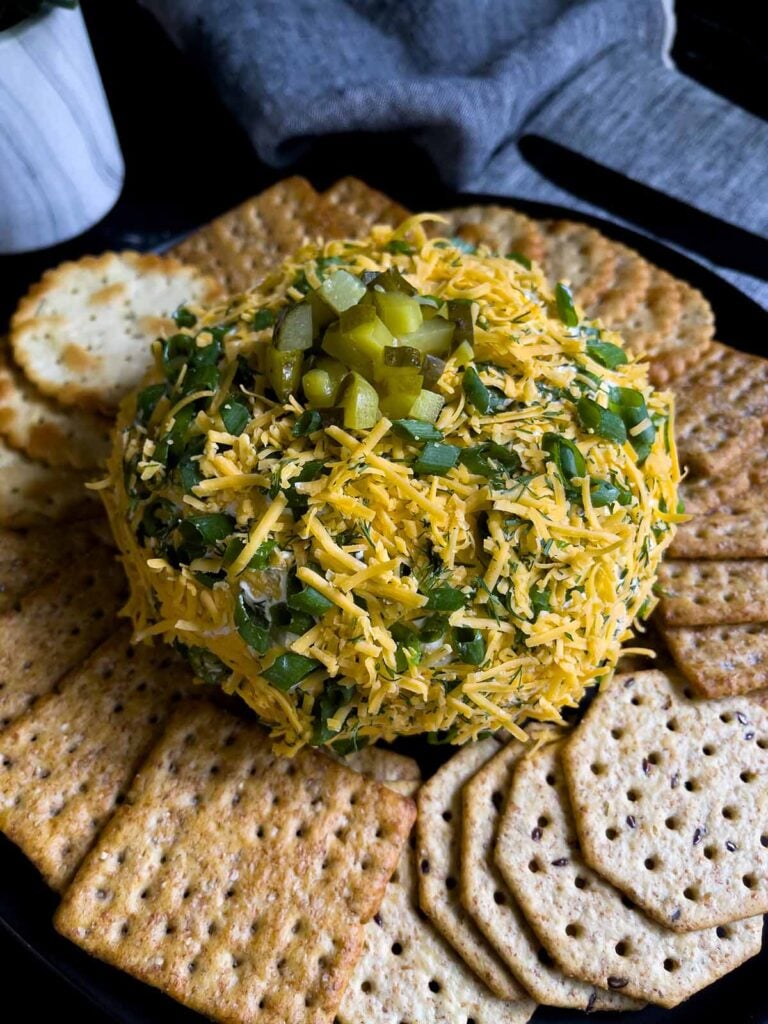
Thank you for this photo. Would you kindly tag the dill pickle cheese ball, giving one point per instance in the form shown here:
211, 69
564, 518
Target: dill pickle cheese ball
397, 488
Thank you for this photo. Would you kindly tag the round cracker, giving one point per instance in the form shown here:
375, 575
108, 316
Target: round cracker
581, 257
32, 493
83, 333
630, 284
501, 229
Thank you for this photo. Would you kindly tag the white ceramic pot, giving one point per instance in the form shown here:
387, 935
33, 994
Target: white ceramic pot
61, 169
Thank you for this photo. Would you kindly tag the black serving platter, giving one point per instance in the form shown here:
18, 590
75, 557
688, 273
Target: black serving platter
27, 905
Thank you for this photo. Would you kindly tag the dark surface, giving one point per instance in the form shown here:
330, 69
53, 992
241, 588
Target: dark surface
159, 103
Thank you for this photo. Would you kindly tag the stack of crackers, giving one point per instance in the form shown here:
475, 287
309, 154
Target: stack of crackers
252, 887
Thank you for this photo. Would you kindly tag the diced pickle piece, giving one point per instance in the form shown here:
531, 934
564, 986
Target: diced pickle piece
358, 340
341, 290
293, 330
427, 406
284, 371
322, 314
360, 403
322, 384
391, 281
399, 387
434, 337
402, 355
463, 355
433, 368
401, 313
460, 312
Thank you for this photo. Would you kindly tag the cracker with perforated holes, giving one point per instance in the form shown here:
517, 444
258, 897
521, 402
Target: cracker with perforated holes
383, 765
702, 495
500, 228
438, 832
675, 353
488, 899
657, 316
721, 661
729, 378
670, 797
241, 246
706, 593
581, 257
28, 558
631, 278
83, 333
712, 442
722, 535
55, 626
46, 430
409, 973
261, 919
32, 493
586, 924
66, 763
358, 207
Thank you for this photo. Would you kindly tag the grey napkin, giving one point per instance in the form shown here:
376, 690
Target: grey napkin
470, 78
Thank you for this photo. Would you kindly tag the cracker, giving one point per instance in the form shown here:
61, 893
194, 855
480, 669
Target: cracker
630, 284
383, 765
501, 229
721, 535
245, 243
488, 899
670, 799
713, 442
66, 764
408, 974
438, 833
702, 495
579, 256
585, 923
684, 348
713, 592
358, 207
28, 558
656, 317
55, 627
236, 881
733, 379
45, 430
32, 493
83, 333
721, 661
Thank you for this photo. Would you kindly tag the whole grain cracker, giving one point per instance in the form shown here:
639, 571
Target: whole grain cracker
628, 289
579, 256
702, 494
236, 881
729, 377
488, 899
83, 333
45, 430
358, 207
500, 228
722, 535
55, 626
408, 974
438, 832
721, 661
67, 763
245, 243
32, 493
714, 442
585, 923
707, 593
28, 558
670, 797
383, 765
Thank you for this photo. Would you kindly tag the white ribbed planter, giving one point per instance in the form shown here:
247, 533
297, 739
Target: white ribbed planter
61, 168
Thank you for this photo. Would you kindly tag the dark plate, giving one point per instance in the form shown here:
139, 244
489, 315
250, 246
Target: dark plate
27, 905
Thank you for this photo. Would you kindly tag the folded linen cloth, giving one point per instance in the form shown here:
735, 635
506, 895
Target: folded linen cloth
470, 79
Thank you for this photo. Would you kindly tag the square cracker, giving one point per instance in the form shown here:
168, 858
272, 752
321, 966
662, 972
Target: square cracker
721, 661
358, 207
383, 765
439, 858
33, 494
408, 973
502, 229
28, 558
705, 593
723, 535
730, 379
237, 881
702, 495
714, 442
488, 899
55, 627
67, 762
670, 797
586, 924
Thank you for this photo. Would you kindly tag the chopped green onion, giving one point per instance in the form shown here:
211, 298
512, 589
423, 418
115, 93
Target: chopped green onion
487, 459
146, 400
206, 665
484, 399
630, 405
252, 625
469, 645
288, 670
310, 601
200, 378
184, 318
540, 601
606, 354
565, 307
332, 699
189, 473
176, 351
602, 421
445, 599
397, 245
262, 319
209, 578
566, 456
307, 423
159, 518
436, 459
602, 493
433, 629
518, 257
417, 430
235, 416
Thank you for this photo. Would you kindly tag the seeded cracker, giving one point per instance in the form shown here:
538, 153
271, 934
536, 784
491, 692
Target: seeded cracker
439, 858
408, 973
502, 229
28, 558
260, 920
585, 923
33, 493
383, 765
67, 762
579, 256
713, 592
670, 797
488, 899
55, 627
721, 661
83, 333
